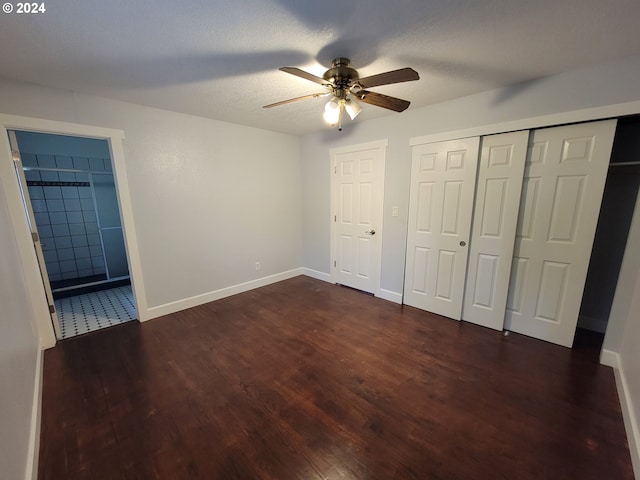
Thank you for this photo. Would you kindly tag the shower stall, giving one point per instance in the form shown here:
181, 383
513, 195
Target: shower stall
75, 207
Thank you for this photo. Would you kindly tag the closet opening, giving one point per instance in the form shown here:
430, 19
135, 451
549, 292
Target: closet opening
614, 221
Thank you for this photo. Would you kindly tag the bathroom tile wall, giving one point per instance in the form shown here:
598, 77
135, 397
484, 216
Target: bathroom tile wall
65, 214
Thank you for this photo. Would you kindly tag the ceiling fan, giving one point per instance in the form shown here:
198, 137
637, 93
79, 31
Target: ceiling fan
347, 88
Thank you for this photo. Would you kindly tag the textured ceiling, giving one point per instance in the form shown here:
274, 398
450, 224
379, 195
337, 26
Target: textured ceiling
219, 58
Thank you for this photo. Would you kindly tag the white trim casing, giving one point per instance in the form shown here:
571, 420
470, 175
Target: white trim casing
359, 146
129, 229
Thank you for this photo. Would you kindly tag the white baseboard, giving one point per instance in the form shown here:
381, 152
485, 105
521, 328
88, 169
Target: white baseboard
630, 420
196, 300
609, 358
394, 297
325, 277
36, 418
612, 359
382, 293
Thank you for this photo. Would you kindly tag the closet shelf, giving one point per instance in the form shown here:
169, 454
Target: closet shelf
624, 164
626, 168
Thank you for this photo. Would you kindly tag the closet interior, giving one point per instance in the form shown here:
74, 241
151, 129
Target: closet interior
614, 221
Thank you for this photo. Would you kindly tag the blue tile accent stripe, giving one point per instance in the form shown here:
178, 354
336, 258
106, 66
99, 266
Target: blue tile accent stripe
41, 183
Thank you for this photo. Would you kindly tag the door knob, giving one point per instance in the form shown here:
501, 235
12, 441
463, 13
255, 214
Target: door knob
462, 243
371, 232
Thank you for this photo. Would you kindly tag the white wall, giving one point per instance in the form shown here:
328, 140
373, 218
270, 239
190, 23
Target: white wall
629, 353
209, 198
630, 365
19, 355
620, 348
609, 84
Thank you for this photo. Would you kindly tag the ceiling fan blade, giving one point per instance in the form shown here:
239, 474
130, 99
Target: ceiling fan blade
386, 78
297, 99
384, 101
306, 75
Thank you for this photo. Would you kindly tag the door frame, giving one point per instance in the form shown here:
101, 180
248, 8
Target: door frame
35, 234
9, 179
378, 215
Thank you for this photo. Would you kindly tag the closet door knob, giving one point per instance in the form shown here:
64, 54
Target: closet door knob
463, 243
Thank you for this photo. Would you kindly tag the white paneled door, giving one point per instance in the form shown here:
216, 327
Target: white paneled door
563, 184
357, 190
502, 159
440, 208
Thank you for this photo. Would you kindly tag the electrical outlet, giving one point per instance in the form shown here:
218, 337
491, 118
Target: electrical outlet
257, 265
395, 211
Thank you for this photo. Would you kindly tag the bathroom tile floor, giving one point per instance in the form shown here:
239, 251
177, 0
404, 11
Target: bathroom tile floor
96, 310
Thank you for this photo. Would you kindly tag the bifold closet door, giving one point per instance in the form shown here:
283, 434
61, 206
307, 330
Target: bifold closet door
440, 209
564, 180
495, 217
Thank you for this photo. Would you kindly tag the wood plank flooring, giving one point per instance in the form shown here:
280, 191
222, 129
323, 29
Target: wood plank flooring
307, 380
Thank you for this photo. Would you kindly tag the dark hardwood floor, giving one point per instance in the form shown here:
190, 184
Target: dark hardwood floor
307, 380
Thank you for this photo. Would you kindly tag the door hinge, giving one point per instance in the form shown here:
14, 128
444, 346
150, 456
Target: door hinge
34, 237
335, 218
335, 169
334, 263
52, 309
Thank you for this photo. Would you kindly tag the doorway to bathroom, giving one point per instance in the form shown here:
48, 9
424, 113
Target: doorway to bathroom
70, 198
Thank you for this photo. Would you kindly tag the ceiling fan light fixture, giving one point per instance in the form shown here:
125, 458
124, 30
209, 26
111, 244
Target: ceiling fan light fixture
353, 108
332, 111
347, 89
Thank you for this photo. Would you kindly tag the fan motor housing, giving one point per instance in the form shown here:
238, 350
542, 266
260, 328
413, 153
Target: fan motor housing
340, 73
